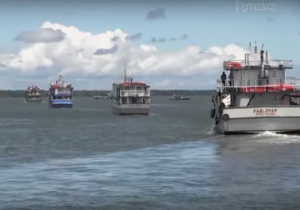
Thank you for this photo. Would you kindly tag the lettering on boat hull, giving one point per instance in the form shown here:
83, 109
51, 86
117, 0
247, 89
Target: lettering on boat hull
265, 112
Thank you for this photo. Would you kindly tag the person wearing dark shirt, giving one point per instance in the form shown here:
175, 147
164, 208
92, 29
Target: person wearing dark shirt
223, 78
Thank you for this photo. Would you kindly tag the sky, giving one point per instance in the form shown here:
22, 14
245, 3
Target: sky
167, 44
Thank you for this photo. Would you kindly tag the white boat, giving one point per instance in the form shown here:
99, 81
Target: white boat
261, 98
33, 94
60, 94
98, 97
103, 96
130, 98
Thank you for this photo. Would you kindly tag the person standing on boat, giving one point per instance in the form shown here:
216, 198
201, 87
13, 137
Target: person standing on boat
223, 78
231, 78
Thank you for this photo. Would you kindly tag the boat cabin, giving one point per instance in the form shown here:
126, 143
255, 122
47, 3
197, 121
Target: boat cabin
131, 93
60, 90
258, 80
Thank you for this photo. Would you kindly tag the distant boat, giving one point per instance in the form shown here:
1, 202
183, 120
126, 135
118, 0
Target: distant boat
130, 98
33, 94
60, 94
98, 97
103, 96
178, 97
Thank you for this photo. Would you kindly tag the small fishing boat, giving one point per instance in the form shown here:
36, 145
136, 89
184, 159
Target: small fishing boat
98, 97
178, 97
103, 96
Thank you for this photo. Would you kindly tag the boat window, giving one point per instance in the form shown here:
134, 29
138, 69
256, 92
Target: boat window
127, 88
138, 88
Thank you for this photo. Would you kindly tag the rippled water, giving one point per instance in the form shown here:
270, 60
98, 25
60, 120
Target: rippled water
86, 158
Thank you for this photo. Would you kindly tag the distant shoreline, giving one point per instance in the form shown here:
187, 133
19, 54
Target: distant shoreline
91, 93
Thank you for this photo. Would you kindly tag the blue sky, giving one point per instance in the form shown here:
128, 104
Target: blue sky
206, 24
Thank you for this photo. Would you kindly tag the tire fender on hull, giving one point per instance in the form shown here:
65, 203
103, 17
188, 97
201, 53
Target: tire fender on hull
212, 113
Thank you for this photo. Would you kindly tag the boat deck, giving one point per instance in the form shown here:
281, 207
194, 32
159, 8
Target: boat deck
288, 85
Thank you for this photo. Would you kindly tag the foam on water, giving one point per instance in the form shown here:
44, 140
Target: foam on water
276, 138
266, 137
212, 130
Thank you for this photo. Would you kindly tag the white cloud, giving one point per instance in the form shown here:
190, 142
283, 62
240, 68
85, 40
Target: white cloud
75, 56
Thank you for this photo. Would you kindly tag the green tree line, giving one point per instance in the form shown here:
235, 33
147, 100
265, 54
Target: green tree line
91, 93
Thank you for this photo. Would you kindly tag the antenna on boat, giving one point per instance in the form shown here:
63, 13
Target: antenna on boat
60, 76
130, 78
125, 72
255, 47
250, 47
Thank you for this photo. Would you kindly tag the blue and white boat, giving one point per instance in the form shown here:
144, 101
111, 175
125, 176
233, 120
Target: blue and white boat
60, 94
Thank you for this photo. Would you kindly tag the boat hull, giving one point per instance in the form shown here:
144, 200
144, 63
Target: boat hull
260, 125
130, 109
34, 100
278, 119
61, 104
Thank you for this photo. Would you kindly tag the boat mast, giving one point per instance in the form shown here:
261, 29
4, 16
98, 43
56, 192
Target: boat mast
125, 77
59, 76
125, 72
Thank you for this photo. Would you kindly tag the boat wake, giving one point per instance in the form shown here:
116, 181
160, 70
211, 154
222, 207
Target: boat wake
212, 130
272, 134
266, 137
276, 138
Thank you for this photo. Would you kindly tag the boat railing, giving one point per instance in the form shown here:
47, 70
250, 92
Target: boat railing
134, 92
271, 85
270, 64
